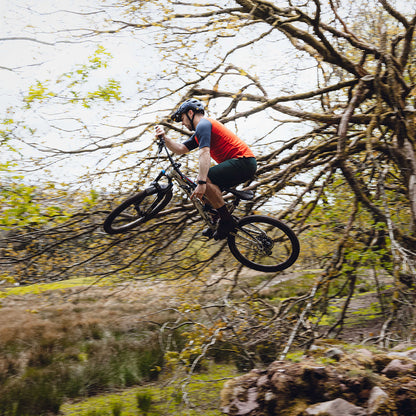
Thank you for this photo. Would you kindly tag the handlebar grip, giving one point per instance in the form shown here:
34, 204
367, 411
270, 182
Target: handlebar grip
160, 143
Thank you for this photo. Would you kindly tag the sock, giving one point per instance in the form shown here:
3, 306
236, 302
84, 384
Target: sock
224, 213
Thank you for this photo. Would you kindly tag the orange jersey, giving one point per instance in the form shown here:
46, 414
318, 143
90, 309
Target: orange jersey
223, 143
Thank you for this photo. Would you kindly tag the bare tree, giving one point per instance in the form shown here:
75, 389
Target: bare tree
325, 95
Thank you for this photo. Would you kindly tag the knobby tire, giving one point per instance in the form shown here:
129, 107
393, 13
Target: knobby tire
264, 243
136, 210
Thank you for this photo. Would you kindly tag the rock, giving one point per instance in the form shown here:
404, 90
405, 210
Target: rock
406, 354
269, 396
334, 353
239, 395
411, 354
378, 402
383, 385
314, 348
263, 380
337, 407
239, 407
365, 356
396, 367
397, 354
405, 399
402, 346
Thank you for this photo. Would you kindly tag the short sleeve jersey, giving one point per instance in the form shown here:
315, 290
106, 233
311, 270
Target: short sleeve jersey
223, 143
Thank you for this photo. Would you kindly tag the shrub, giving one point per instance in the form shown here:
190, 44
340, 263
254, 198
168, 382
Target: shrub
36, 393
116, 409
107, 363
144, 401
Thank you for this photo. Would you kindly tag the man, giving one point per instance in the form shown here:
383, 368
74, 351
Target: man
235, 161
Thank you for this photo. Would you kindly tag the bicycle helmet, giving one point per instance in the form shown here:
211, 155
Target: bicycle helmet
191, 104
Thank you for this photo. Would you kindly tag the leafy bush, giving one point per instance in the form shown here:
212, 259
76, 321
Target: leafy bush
107, 363
36, 393
144, 401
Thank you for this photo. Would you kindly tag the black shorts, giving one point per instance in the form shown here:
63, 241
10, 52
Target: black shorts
233, 172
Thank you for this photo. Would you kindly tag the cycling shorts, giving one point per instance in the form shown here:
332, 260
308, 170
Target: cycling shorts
232, 172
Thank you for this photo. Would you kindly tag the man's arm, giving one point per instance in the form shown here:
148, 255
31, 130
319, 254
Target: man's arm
175, 147
204, 163
172, 145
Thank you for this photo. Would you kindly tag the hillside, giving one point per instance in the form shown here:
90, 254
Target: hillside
106, 344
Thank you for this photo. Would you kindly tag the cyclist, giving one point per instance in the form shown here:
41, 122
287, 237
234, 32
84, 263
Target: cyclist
235, 161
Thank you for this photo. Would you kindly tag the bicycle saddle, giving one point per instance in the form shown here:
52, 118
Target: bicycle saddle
245, 195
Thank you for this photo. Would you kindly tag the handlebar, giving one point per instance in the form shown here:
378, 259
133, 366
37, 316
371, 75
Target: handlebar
160, 143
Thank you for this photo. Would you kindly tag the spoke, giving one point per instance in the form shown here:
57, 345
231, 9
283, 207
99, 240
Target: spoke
263, 243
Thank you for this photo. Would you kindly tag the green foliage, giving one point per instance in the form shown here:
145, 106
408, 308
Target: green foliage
94, 412
37, 392
326, 360
160, 399
6, 132
52, 377
18, 206
295, 356
43, 287
41, 225
90, 199
107, 93
144, 401
24, 205
116, 409
38, 93
364, 314
73, 85
329, 318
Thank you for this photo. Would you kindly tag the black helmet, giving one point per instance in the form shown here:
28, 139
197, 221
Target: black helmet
192, 104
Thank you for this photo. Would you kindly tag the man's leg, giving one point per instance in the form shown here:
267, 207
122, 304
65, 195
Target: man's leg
214, 196
226, 174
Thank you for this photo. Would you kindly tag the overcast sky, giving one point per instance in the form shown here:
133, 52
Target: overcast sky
34, 36
34, 42
37, 44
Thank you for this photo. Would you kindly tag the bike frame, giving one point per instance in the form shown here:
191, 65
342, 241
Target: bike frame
186, 184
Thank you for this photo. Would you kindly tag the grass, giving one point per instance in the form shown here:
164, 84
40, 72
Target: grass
281, 290
60, 342
39, 288
160, 400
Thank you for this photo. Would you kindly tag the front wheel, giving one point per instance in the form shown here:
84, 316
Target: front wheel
264, 243
137, 210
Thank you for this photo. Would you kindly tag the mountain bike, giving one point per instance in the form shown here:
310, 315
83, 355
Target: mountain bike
259, 242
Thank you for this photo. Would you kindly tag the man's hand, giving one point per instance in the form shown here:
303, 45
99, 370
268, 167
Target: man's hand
172, 145
160, 132
199, 192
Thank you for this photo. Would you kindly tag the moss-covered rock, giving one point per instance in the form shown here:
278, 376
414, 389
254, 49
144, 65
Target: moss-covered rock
374, 381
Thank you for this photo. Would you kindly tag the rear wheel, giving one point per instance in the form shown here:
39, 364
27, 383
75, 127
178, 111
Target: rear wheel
263, 243
137, 210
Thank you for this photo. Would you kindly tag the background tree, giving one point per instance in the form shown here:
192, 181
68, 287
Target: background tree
324, 93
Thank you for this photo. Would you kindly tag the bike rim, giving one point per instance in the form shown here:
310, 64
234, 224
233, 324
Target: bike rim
136, 212
264, 246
